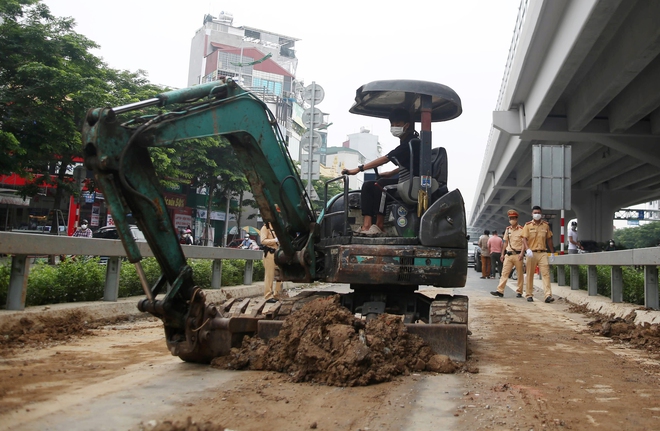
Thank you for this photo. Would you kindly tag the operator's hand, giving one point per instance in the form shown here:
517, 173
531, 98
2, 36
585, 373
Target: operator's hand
350, 171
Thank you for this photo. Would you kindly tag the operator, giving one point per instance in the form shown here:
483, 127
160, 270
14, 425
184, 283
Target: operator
403, 128
83, 231
512, 257
537, 237
269, 244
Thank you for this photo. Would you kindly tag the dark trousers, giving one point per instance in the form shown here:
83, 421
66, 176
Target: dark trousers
495, 263
372, 192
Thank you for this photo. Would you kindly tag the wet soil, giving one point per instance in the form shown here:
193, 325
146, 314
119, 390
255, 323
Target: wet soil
324, 343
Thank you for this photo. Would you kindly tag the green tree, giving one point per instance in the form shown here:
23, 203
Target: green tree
48, 81
212, 164
647, 235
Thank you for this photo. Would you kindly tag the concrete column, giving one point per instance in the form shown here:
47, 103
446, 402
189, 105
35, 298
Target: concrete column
594, 211
112, 272
20, 268
575, 277
592, 280
216, 274
617, 284
247, 276
651, 287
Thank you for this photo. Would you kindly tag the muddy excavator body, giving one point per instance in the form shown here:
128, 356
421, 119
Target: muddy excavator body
424, 244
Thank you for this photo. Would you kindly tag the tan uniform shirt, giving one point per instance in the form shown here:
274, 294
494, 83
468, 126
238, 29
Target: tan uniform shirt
513, 238
537, 235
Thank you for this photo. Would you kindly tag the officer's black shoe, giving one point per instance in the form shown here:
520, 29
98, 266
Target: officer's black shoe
271, 301
518, 295
549, 299
530, 299
496, 293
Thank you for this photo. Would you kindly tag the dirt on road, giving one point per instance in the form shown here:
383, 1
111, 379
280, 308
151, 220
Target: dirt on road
541, 367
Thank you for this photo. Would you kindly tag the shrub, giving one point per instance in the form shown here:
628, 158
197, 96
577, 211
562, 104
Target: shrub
633, 282
84, 279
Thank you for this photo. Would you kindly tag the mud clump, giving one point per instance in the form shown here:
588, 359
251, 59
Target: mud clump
187, 425
623, 330
324, 343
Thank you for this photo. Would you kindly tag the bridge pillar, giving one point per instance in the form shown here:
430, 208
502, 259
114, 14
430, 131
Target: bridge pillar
595, 210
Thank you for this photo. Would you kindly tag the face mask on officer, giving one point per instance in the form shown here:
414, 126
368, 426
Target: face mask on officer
537, 216
513, 221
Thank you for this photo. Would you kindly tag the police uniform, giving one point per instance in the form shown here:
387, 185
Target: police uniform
269, 240
513, 239
537, 235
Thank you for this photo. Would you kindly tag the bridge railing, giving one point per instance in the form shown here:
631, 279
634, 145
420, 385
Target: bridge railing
649, 258
23, 245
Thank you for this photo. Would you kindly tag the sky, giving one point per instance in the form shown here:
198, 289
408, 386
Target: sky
343, 45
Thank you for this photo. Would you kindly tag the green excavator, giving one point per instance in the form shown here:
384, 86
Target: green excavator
424, 244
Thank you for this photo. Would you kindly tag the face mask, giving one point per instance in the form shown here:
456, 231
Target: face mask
83, 226
513, 222
537, 216
397, 131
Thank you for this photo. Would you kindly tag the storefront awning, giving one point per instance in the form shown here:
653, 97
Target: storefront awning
11, 199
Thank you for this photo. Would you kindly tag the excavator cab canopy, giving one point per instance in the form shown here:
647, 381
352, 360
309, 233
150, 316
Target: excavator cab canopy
379, 98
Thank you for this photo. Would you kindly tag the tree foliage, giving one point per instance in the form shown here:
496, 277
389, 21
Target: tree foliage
647, 235
49, 79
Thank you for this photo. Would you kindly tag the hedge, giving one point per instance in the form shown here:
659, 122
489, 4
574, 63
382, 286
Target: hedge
633, 281
84, 280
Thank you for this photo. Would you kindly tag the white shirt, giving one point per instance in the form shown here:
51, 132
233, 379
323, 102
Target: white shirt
572, 234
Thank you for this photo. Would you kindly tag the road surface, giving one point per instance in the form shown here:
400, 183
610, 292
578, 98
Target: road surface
539, 368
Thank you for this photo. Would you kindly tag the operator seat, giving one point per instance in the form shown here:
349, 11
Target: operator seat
407, 190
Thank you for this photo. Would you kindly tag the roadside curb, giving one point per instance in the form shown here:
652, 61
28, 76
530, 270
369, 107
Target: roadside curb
598, 304
123, 307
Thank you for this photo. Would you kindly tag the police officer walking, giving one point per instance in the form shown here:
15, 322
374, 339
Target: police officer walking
512, 256
537, 238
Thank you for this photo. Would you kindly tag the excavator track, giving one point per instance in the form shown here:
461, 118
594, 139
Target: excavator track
444, 326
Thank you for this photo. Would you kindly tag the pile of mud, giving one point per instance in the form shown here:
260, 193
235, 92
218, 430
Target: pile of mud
46, 330
645, 336
188, 425
43, 330
324, 343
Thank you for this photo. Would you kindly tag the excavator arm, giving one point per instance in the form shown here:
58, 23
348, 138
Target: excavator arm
118, 155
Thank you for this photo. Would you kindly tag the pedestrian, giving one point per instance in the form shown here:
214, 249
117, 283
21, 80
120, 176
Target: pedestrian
485, 254
495, 250
573, 243
186, 238
403, 128
269, 244
611, 246
512, 256
537, 238
83, 231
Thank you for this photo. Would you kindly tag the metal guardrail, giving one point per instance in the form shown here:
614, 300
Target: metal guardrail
23, 245
649, 258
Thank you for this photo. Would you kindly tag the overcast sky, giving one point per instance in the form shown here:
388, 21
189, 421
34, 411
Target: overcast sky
343, 44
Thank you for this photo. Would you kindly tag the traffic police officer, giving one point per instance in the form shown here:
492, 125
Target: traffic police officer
537, 238
512, 256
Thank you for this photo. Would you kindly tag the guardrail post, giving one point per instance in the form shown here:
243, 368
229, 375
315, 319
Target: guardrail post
616, 280
20, 268
561, 275
112, 271
247, 276
651, 286
216, 274
592, 280
575, 277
